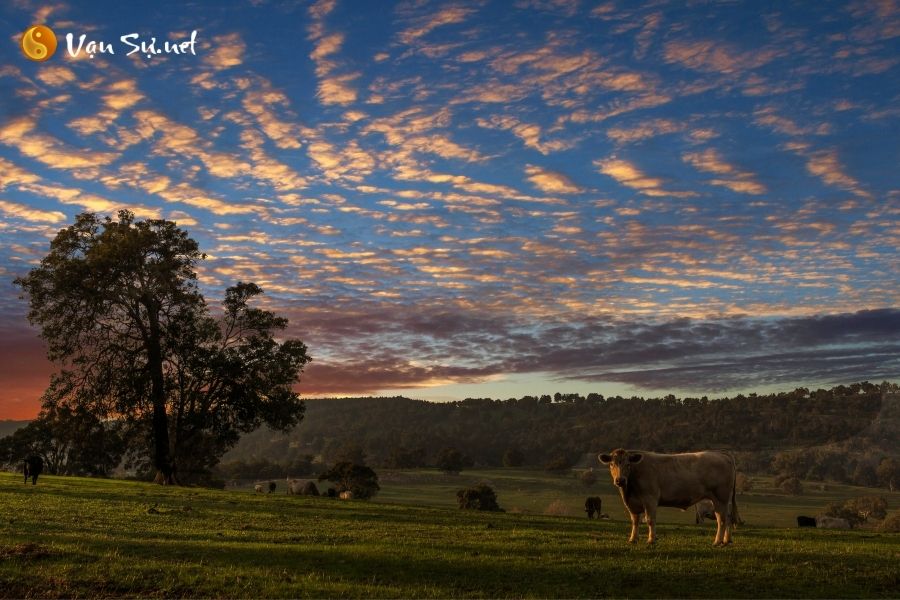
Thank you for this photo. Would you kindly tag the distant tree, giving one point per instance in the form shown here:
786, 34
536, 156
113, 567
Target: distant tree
888, 472
451, 460
480, 497
559, 464
359, 479
404, 458
513, 457
70, 441
792, 486
864, 475
118, 305
843, 511
743, 483
349, 452
868, 507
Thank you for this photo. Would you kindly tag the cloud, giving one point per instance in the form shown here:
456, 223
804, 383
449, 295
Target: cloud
447, 16
645, 130
627, 174
826, 165
551, 182
20, 133
227, 51
56, 75
530, 133
715, 57
711, 161
28, 213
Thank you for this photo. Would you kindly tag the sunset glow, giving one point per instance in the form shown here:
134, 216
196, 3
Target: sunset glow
452, 199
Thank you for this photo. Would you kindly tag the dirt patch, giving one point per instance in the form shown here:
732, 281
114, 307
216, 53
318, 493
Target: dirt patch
26, 550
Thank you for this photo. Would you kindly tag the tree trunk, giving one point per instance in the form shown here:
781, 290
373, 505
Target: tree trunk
162, 458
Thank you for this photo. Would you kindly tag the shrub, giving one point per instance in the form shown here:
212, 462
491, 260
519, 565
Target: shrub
891, 524
743, 483
791, 486
559, 464
359, 479
452, 461
843, 511
480, 497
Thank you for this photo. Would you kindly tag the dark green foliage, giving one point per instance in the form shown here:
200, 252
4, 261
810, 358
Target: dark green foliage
451, 460
888, 473
404, 458
862, 508
70, 442
843, 511
359, 479
265, 469
480, 497
791, 485
558, 464
118, 305
833, 428
513, 458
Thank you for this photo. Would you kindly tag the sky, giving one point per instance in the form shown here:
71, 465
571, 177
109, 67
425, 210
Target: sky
485, 198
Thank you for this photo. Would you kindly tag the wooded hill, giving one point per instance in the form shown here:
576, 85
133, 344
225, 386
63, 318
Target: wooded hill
821, 425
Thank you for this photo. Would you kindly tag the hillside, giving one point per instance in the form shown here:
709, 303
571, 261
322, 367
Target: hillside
75, 537
8, 427
757, 427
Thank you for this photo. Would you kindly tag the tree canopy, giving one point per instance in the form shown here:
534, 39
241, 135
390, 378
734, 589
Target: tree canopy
119, 306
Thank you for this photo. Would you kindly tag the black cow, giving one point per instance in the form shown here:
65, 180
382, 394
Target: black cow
33, 466
592, 505
806, 521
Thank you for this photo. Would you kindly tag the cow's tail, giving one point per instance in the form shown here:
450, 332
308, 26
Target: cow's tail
735, 517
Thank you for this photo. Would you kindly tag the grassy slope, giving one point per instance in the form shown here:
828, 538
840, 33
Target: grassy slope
530, 491
83, 537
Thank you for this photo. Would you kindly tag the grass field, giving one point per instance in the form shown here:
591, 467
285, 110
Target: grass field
71, 537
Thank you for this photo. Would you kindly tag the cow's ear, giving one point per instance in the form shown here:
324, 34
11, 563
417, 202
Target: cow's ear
605, 459
635, 458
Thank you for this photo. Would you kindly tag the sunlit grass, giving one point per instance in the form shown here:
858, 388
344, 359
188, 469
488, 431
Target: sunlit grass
88, 537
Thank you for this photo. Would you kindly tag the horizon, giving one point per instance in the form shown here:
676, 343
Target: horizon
483, 199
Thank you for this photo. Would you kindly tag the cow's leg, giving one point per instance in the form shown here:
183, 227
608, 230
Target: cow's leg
729, 524
651, 524
721, 510
635, 520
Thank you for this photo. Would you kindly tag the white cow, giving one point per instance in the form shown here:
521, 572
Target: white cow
647, 480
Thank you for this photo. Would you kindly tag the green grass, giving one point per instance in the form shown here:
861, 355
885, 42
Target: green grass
72, 537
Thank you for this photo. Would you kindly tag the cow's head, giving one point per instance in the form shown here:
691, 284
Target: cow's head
620, 462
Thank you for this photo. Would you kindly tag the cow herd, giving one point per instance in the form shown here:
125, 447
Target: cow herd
645, 480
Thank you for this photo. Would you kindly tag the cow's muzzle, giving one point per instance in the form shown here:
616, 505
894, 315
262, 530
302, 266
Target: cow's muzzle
621, 481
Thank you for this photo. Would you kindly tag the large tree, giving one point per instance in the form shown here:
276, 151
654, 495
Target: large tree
118, 303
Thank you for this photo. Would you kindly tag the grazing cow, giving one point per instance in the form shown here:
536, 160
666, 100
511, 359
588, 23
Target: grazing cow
346, 495
592, 505
259, 488
33, 466
832, 523
704, 510
647, 480
806, 521
272, 486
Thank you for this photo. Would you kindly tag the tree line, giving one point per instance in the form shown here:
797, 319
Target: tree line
841, 433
